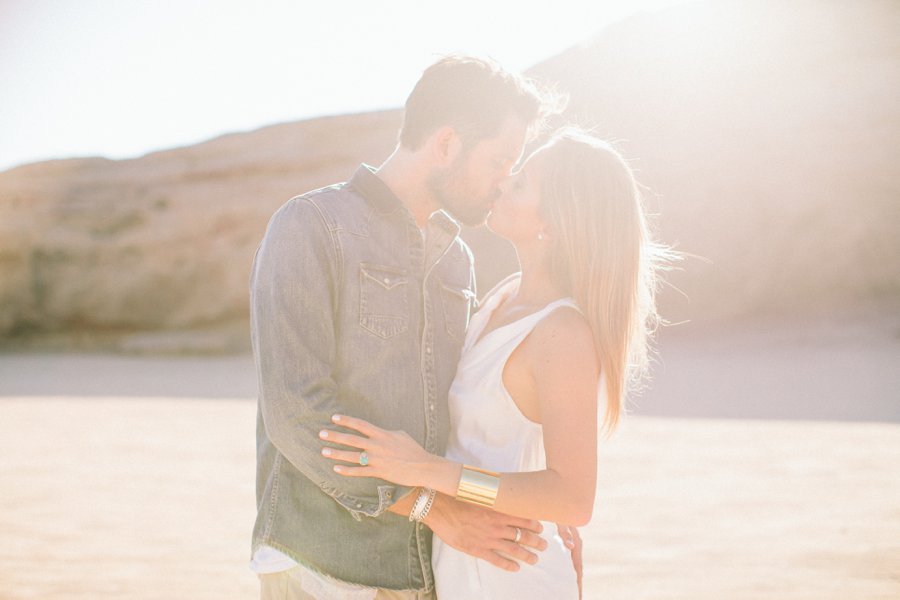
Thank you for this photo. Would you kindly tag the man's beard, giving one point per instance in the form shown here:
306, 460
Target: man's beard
449, 190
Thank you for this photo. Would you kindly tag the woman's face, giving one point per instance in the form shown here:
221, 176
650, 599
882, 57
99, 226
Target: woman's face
516, 213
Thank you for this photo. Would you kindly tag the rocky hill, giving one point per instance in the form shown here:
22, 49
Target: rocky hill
767, 134
154, 253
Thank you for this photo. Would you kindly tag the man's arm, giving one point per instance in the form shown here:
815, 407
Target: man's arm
484, 533
292, 305
478, 531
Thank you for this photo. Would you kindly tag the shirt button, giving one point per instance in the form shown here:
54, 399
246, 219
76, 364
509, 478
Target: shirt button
431, 406
358, 505
428, 350
387, 281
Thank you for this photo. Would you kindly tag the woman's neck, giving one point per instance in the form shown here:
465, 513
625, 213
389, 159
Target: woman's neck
537, 287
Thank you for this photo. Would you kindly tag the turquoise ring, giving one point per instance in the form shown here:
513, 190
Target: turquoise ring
363, 458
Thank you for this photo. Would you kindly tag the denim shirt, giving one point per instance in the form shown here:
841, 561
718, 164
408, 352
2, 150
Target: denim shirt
353, 311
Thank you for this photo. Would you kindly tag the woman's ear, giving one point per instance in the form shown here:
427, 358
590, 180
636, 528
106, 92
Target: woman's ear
545, 234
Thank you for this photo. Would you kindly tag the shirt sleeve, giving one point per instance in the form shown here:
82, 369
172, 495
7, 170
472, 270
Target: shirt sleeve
293, 291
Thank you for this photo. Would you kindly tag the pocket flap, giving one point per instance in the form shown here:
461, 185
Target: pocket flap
387, 277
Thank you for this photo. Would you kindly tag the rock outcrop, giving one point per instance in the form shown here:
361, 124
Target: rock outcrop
154, 253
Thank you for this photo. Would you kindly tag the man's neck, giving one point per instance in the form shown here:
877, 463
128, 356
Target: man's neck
404, 174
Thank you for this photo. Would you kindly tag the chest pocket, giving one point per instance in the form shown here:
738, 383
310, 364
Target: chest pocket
457, 303
383, 300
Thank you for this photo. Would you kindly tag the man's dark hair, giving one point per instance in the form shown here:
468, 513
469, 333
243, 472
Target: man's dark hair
474, 96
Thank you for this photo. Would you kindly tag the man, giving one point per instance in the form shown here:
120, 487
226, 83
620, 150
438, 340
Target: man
360, 297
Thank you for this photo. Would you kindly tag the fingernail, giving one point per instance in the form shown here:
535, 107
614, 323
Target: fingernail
323, 434
336, 418
326, 451
338, 469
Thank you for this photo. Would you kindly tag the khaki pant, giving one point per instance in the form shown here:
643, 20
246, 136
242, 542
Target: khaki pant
286, 585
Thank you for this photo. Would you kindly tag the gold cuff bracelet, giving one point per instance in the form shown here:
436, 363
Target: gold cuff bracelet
478, 486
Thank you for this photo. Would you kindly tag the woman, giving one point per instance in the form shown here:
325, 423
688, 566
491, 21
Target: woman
524, 404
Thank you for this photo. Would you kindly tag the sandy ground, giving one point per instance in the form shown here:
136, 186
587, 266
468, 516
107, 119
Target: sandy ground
834, 368
124, 477
153, 499
125, 498
825, 369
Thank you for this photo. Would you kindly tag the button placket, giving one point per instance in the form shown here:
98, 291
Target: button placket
429, 372
420, 556
429, 252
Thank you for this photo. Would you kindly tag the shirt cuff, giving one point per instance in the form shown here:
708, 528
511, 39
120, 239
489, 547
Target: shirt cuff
359, 507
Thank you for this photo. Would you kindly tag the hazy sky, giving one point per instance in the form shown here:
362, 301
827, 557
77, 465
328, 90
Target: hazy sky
120, 78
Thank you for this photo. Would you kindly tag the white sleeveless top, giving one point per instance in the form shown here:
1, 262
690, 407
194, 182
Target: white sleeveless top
488, 430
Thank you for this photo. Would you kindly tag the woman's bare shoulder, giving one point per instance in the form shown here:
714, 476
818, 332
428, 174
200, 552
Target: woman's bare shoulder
563, 335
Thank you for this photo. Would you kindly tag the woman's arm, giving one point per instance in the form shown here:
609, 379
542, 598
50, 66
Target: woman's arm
560, 368
561, 371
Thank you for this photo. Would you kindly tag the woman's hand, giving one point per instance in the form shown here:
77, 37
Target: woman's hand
572, 540
390, 455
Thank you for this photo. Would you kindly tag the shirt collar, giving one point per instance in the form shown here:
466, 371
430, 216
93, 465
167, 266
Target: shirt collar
374, 190
445, 222
383, 200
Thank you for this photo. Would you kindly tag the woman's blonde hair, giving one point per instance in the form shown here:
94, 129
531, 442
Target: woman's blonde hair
602, 254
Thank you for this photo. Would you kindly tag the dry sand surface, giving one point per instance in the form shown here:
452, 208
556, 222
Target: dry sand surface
132, 477
152, 498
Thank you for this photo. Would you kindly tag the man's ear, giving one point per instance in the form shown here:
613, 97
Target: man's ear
445, 145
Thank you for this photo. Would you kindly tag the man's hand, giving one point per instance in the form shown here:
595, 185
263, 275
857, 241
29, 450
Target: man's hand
572, 539
484, 533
